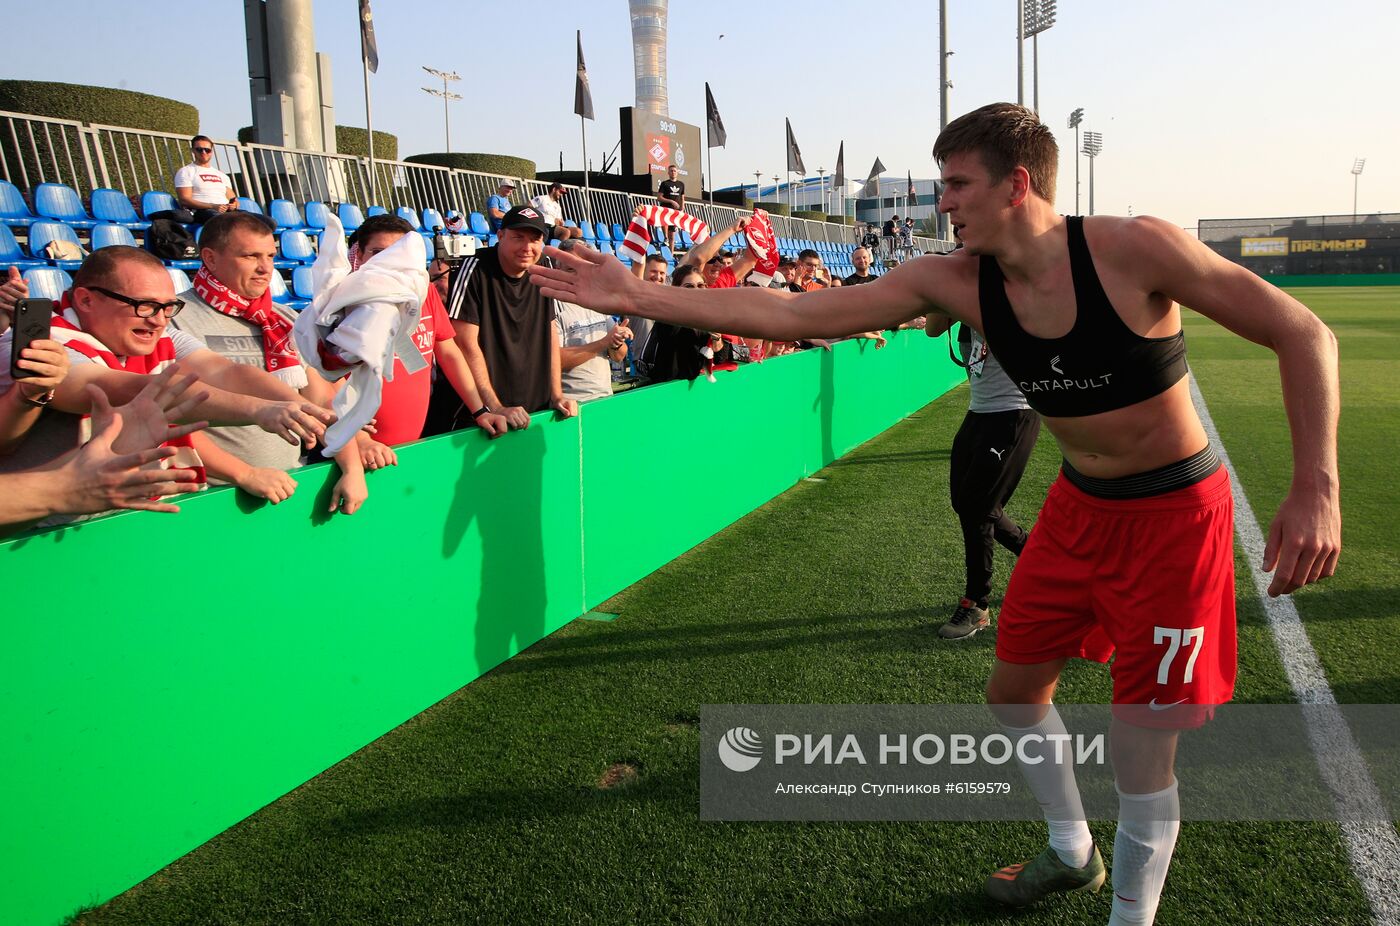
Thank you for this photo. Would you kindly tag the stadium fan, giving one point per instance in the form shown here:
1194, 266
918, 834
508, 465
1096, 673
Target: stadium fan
589, 343
403, 407
671, 194
498, 205
230, 309
119, 467
507, 331
548, 205
1083, 315
114, 327
860, 259
201, 187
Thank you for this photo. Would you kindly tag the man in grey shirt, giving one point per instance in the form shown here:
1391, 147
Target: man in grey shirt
588, 340
989, 456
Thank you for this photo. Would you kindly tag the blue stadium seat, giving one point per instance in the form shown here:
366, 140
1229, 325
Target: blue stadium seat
12, 255
301, 283
295, 248
41, 233
114, 207
48, 282
607, 248
589, 234
179, 279
619, 234
13, 209
280, 293
60, 202
106, 235
316, 214
285, 214
245, 204
684, 239
479, 226
409, 215
666, 253
153, 201
603, 232
433, 220
350, 216
372, 211
491, 241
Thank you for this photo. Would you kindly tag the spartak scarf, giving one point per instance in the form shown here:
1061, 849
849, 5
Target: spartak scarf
280, 356
639, 232
65, 329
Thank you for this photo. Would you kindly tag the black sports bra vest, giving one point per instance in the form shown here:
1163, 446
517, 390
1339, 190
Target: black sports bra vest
1101, 365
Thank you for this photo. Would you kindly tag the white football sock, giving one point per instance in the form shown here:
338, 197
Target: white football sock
1055, 789
1147, 828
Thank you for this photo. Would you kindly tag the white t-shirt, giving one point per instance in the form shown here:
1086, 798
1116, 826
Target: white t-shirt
579, 327
209, 184
549, 208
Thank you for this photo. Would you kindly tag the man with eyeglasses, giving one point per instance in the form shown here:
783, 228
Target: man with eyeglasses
201, 187
114, 324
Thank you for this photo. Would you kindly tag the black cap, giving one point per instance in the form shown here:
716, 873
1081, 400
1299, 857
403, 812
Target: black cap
525, 217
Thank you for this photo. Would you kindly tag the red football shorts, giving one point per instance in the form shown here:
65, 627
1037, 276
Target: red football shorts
1150, 578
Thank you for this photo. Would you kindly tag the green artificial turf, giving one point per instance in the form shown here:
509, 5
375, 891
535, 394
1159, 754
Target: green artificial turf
563, 786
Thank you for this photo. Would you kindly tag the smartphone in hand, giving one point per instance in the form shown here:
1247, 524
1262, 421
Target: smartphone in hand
32, 318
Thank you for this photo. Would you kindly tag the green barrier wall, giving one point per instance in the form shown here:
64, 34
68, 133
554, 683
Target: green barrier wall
163, 677
1335, 279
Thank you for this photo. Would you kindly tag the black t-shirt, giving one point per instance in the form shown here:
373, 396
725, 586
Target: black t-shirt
673, 190
516, 336
889, 228
673, 352
856, 279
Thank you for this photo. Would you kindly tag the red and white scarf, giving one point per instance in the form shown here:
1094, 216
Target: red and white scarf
763, 245
639, 232
280, 356
66, 330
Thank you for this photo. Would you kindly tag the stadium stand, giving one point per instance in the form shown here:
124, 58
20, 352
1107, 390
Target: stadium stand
47, 282
113, 206
12, 255
14, 211
60, 202
42, 233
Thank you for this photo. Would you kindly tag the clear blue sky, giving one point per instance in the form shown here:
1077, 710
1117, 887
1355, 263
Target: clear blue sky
1208, 109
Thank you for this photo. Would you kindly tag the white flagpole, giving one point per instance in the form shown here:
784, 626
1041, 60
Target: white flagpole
369, 126
587, 192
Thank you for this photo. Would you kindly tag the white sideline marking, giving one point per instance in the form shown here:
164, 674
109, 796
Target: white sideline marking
1374, 848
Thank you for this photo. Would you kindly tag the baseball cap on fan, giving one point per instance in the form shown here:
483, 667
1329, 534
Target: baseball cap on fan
525, 217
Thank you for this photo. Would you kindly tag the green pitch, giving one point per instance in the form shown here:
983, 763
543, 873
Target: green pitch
562, 787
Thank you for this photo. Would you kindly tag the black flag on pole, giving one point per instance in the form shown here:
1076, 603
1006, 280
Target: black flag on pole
369, 50
583, 97
872, 182
913, 197
838, 179
794, 157
714, 125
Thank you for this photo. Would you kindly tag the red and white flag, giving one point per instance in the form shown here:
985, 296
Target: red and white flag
639, 232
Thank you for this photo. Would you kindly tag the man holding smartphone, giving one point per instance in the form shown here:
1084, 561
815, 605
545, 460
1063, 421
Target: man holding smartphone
39, 366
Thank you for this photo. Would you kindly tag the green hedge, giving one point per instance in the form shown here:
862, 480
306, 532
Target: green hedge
775, 208
841, 220
351, 139
500, 165
813, 215
102, 105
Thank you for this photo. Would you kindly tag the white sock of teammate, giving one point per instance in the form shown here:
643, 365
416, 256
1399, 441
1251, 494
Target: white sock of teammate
1055, 789
1147, 828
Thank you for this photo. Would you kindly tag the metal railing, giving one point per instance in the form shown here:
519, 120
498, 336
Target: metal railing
35, 150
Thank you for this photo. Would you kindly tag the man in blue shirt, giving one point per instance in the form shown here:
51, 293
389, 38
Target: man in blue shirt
497, 206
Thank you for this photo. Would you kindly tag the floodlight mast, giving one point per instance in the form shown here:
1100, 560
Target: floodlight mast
1356, 168
1093, 145
1036, 17
1075, 118
447, 96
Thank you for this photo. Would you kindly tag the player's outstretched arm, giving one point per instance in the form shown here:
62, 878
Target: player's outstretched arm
1305, 537
600, 282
